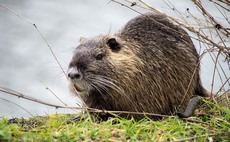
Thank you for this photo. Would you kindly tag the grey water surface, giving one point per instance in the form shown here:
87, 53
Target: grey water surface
26, 63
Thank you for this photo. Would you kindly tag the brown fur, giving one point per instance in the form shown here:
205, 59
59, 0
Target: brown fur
150, 72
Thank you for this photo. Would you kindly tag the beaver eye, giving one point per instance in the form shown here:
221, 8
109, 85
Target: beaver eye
99, 56
113, 44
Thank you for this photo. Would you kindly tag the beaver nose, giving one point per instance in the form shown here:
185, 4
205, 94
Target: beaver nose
74, 75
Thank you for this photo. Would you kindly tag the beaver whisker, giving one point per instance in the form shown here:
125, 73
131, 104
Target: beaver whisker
98, 88
106, 85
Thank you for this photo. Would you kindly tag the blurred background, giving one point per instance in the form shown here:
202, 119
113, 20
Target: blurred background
27, 65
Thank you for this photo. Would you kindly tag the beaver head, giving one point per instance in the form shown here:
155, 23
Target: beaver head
102, 68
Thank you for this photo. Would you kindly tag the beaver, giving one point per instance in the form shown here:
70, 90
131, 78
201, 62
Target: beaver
151, 65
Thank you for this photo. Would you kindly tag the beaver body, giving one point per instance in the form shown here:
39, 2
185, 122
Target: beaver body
151, 65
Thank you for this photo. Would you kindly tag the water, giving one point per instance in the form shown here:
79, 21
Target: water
26, 63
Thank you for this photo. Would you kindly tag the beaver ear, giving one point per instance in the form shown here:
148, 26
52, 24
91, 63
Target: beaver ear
113, 44
82, 39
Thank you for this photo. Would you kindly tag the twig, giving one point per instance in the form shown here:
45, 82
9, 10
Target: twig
17, 14
190, 83
198, 3
17, 105
20, 95
221, 6
213, 77
223, 85
115, 1
4, 115
47, 88
210, 41
197, 137
227, 2
17, 94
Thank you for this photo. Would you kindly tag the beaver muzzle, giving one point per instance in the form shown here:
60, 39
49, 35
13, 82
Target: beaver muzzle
75, 76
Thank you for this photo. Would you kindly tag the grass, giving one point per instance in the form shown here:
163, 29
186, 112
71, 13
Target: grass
210, 122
